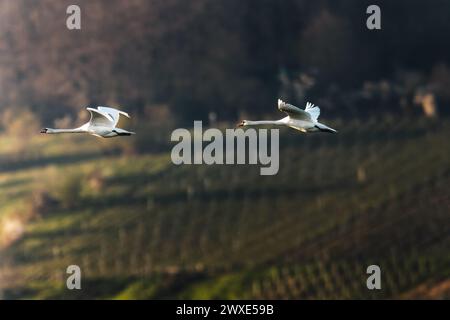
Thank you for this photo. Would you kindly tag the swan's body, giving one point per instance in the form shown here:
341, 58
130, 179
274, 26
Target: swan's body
102, 124
302, 120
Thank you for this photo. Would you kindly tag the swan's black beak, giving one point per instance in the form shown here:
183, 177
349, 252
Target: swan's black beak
44, 130
240, 124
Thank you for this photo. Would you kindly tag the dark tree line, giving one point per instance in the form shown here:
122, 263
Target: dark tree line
203, 56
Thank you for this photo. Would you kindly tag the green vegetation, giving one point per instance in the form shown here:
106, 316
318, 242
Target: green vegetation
141, 227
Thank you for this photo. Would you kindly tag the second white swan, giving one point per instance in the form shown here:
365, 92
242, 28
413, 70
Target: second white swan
302, 120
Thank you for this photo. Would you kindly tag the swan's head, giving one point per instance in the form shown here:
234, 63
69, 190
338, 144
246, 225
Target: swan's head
280, 103
44, 130
243, 123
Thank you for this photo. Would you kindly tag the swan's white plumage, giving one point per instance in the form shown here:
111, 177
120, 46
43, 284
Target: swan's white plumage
302, 120
113, 113
293, 111
102, 123
314, 111
99, 118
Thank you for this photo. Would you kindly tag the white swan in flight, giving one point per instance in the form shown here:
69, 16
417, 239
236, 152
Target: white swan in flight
102, 124
302, 120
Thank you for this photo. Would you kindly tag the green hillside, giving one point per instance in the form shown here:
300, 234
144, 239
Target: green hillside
141, 227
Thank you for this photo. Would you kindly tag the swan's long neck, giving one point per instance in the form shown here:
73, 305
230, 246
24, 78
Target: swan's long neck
263, 122
56, 131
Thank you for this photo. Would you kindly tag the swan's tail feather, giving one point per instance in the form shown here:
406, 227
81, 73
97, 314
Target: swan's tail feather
325, 128
122, 132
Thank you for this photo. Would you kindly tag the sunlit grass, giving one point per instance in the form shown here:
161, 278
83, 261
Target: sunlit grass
225, 231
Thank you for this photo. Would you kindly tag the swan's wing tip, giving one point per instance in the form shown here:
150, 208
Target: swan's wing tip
114, 110
125, 114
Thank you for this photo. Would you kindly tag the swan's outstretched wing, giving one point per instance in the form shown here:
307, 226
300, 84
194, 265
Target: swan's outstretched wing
293, 111
113, 113
314, 111
99, 118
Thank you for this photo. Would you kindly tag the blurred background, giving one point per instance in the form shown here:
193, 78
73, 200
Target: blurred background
142, 228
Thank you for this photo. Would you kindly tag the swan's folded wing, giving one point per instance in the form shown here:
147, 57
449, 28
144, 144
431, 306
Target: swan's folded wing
113, 113
99, 118
293, 111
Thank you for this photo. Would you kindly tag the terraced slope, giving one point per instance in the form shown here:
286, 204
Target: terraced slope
141, 227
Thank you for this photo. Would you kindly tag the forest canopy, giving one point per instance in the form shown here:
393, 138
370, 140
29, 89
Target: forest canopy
226, 57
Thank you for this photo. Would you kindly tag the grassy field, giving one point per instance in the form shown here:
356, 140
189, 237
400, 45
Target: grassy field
140, 227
